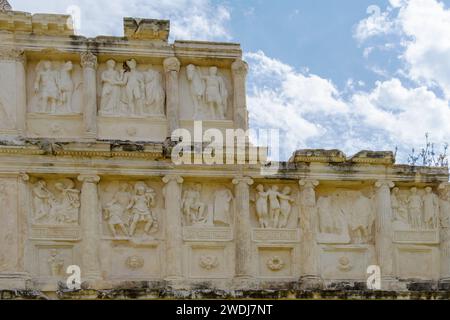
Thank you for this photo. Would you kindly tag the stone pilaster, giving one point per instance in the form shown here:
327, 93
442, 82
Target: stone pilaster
89, 65
310, 278
89, 212
13, 63
239, 70
12, 236
23, 202
171, 70
173, 228
444, 235
243, 262
383, 230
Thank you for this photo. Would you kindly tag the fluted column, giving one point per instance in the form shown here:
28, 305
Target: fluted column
173, 228
23, 202
171, 70
89, 65
90, 225
239, 70
243, 228
444, 235
308, 222
13, 101
383, 228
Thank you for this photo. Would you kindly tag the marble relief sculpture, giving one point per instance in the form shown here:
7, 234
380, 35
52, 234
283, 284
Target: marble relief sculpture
130, 92
415, 209
56, 207
55, 263
129, 208
193, 207
208, 93
222, 203
345, 216
273, 208
54, 87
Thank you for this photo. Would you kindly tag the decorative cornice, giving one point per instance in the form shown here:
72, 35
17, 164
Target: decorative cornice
12, 54
21, 150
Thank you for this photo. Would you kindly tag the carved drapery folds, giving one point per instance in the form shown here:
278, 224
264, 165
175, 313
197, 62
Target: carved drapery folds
89, 65
243, 226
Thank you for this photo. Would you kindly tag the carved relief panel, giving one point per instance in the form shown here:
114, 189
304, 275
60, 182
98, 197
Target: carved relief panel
54, 87
206, 93
8, 227
346, 216
131, 209
207, 205
275, 206
131, 89
51, 261
415, 209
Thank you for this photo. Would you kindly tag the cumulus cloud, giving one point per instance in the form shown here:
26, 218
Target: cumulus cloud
190, 19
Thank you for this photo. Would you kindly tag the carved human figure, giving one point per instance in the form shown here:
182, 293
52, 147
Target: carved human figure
274, 205
399, 208
116, 208
444, 208
42, 200
415, 207
216, 94
193, 207
66, 86
67, 210
110, 98
262, 209
285, 207
46, 86
140, 205
361, 220
196, 89
154, 93
222, 200
55, 263
327, 222
134, 83
430, 208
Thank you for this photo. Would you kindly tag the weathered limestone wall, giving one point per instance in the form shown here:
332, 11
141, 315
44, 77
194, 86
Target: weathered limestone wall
86, 179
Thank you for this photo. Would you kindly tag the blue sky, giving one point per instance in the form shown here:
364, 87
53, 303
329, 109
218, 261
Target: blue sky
351, 75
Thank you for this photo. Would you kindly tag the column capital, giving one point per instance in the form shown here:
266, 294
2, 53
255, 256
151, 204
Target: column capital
384, 183
308, 183
24, 177
239, 68
241, 179
444, 185
88, 60
170, 178
89, 178
13, 54
172, 64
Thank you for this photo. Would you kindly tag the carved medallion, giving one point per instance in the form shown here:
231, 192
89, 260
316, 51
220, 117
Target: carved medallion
135, 262
275, 263
209, 262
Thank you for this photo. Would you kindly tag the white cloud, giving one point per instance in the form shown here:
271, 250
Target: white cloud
190, 19
377, 23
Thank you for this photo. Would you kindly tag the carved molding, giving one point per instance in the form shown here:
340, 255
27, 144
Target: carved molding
308, 183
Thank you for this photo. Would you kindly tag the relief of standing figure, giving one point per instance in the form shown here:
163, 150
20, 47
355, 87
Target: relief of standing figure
216, 94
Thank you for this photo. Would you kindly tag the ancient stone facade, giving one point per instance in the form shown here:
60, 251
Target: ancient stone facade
86, 177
